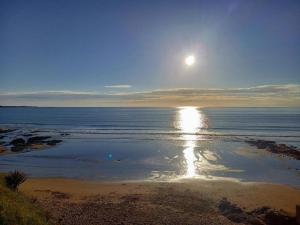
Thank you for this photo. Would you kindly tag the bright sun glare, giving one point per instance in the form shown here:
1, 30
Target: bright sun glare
189, 60
190, 121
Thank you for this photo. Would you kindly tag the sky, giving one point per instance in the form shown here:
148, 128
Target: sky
131, 53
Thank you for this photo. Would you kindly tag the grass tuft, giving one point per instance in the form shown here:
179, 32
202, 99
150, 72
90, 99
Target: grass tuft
14, 179
16, 208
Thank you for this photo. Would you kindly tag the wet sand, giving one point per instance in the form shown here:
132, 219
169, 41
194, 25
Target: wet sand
70, 201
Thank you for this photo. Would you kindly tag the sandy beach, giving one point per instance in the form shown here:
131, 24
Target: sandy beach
71, 201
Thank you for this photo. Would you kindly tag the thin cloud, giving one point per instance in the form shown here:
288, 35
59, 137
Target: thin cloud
118, 86
264, 95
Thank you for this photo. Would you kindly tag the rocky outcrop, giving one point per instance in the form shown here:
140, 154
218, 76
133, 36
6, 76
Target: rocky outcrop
3, 130
259, 216
273, 147
19, 144
53, 142
37, 142
18, 141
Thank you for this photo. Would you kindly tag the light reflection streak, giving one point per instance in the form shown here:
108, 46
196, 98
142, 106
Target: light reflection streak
190, 121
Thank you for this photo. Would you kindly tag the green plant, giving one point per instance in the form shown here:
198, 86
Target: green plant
15, 208
14, 179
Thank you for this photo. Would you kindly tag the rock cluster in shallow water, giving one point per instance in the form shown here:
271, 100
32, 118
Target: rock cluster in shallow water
19, 144
272, 146
25, 141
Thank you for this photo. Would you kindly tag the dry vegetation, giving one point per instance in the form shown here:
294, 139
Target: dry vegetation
16, 209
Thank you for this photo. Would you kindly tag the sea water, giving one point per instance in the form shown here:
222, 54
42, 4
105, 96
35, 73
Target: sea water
156, 143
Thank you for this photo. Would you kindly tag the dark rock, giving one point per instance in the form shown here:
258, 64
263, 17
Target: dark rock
271, 146
261, 210
276, 218
236, 214
17, 148
273, 217
37, 140
18, 142
3, 130
2, 149
298, 214
52, 142
259, 216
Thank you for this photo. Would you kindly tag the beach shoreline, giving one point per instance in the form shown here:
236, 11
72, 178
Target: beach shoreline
68, 196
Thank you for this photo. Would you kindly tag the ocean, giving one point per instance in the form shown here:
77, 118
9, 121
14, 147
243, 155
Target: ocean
157, 144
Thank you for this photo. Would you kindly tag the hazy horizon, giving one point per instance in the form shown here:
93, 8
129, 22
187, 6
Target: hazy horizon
260, 96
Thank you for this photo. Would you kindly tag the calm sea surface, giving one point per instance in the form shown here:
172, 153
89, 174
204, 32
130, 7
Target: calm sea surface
156, 143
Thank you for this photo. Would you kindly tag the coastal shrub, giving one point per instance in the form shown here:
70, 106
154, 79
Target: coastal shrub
14, 179
17, 209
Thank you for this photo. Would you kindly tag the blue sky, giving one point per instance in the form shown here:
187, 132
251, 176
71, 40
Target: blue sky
124, 47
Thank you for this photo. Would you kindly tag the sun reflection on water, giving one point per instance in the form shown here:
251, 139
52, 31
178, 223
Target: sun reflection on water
190, 121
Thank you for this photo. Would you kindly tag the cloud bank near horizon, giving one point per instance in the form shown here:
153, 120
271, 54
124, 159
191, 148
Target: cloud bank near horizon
258, 96
118, 86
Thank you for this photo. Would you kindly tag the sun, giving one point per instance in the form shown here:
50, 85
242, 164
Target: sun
189, 60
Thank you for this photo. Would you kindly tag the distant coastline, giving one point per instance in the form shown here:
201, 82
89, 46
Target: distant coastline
160, 107
16, 106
